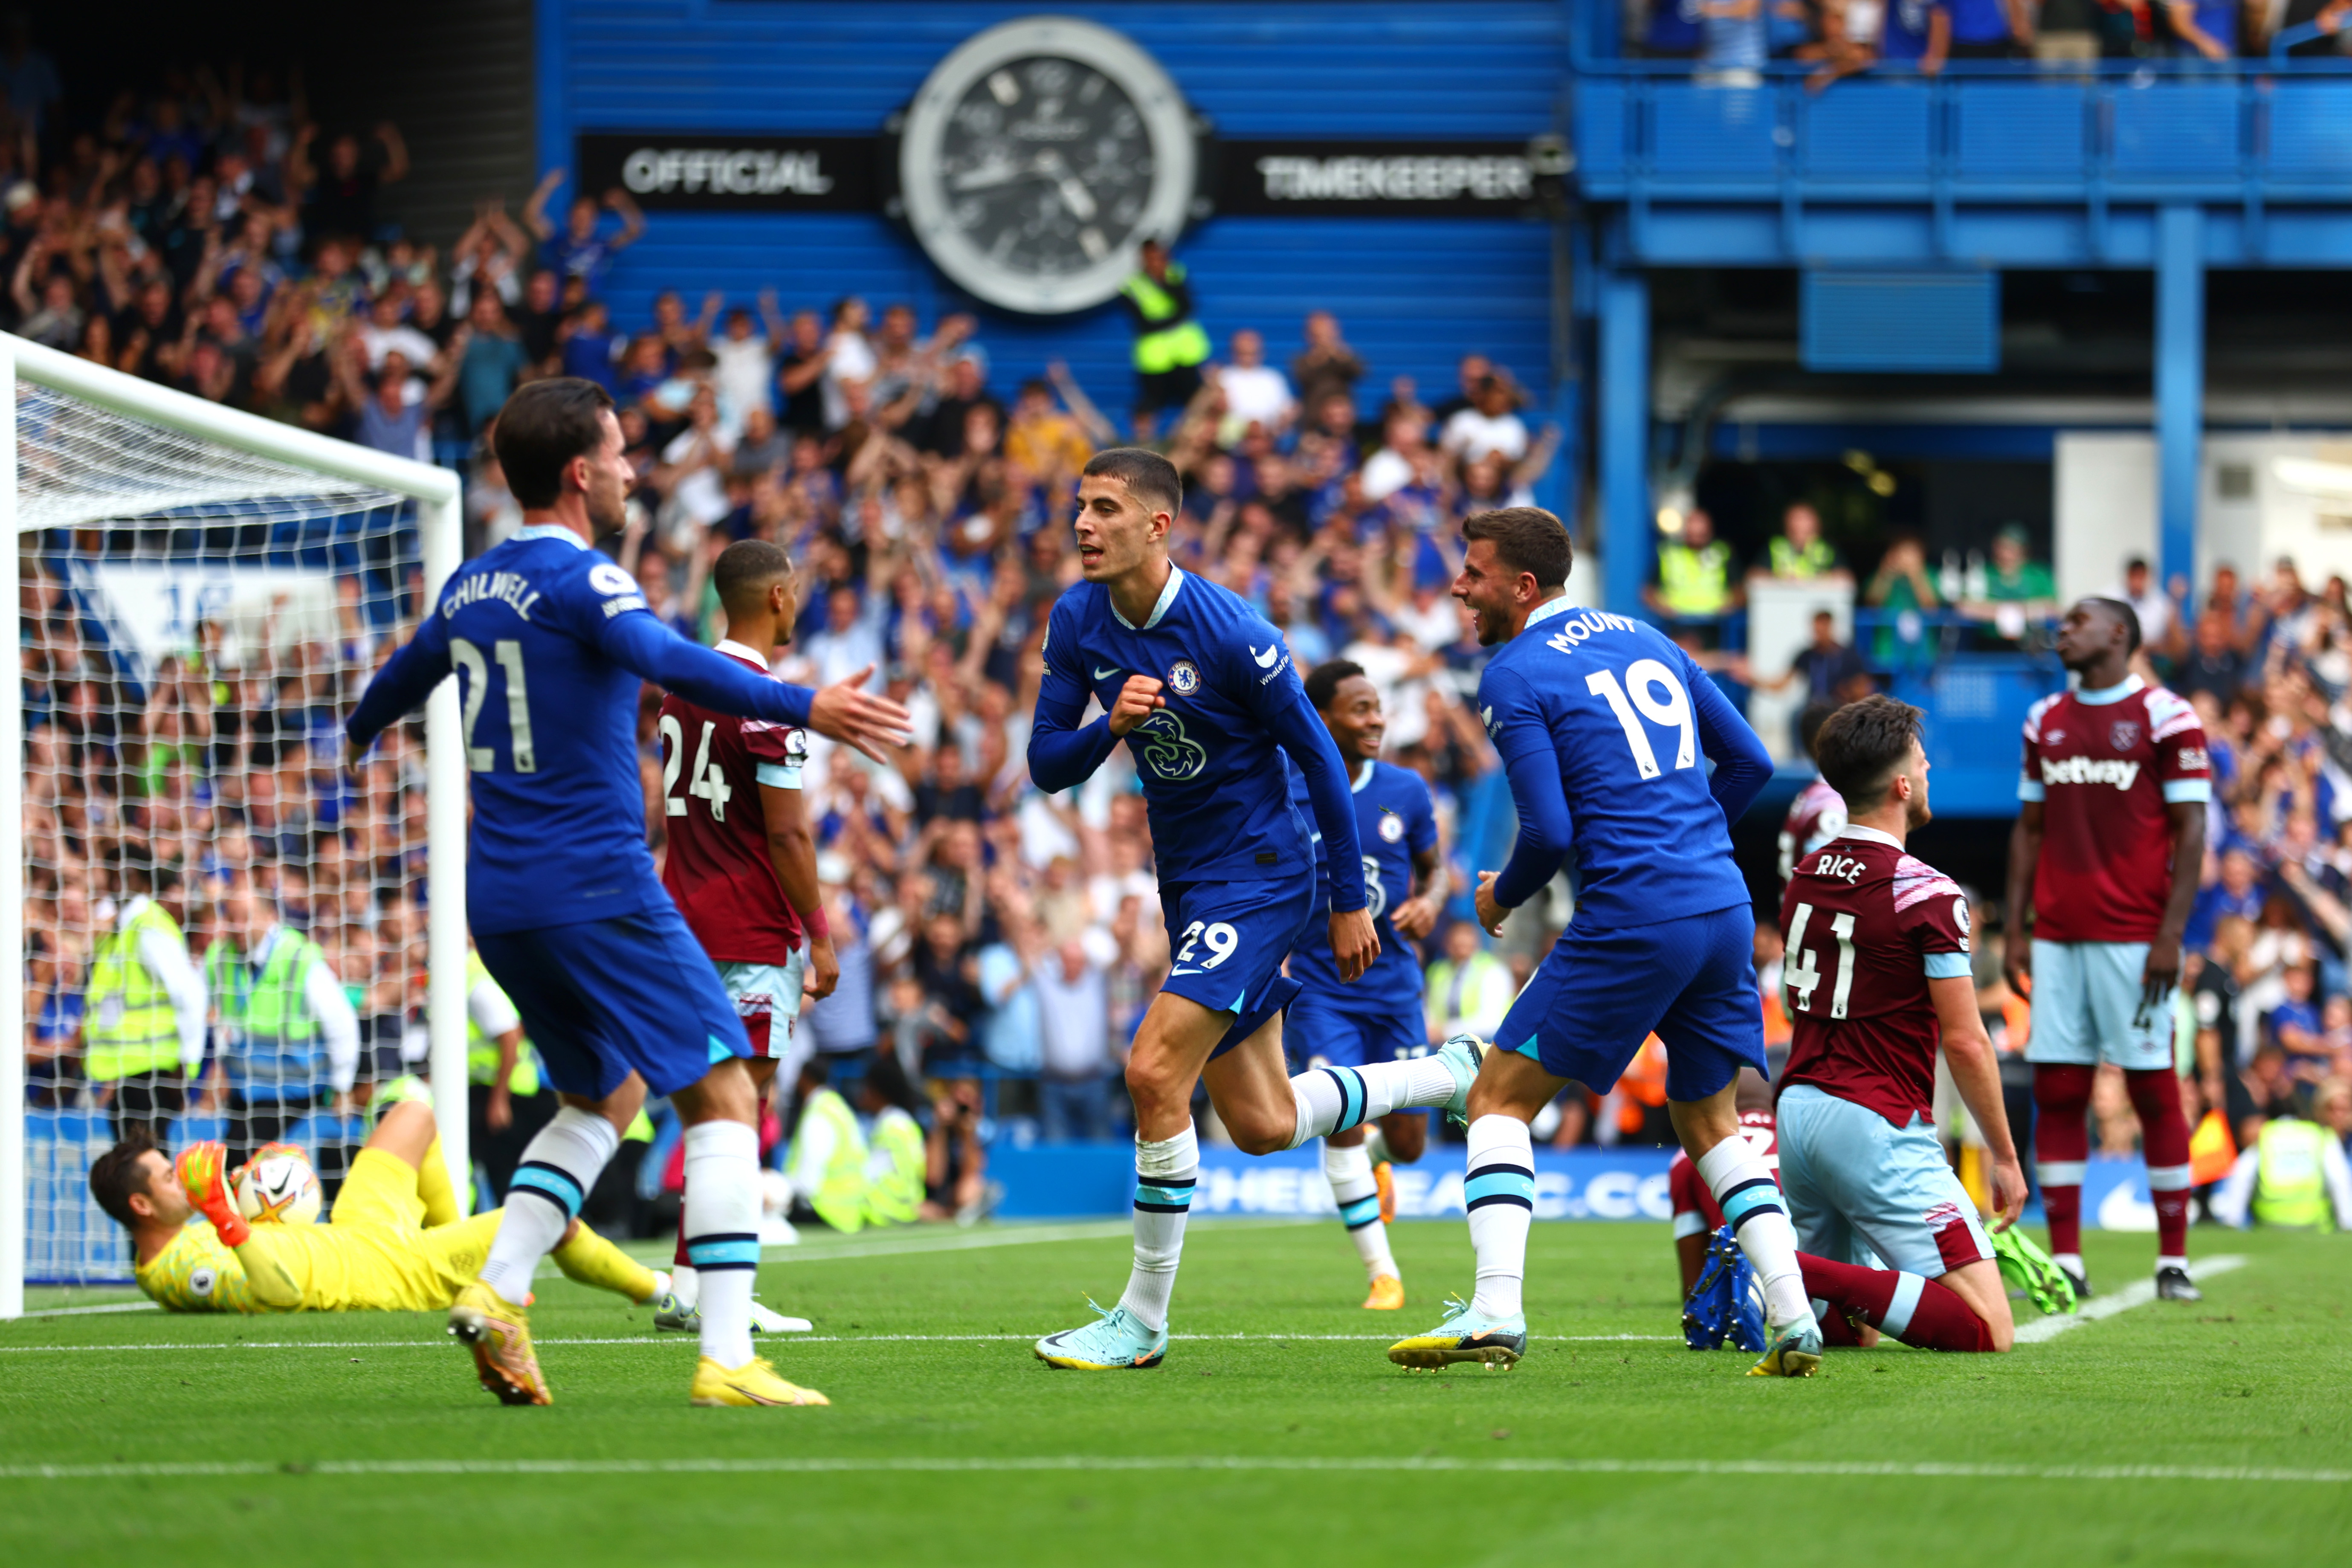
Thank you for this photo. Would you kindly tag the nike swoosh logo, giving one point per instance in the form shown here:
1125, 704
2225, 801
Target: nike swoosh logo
1266, 660
754, 1396
1105, 674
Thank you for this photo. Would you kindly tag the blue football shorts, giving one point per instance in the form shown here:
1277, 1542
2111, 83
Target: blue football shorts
604, 998
1597, 994
1226, 944
1322, 1031
1856, 1184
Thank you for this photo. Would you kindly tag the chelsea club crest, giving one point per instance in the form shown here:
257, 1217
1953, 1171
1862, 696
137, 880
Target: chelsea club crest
1183, 677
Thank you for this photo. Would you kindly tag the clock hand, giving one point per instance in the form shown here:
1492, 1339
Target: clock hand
1075, 194
993, 175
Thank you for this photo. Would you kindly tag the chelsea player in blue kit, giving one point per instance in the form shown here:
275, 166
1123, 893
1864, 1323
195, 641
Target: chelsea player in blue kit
549, 641
1377, 1019
1204, 692
1602, 722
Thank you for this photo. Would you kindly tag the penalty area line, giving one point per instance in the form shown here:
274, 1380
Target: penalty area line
2139, 1293
1068, 1463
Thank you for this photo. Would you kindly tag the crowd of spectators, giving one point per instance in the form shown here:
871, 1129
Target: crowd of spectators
212, 237
1733, 39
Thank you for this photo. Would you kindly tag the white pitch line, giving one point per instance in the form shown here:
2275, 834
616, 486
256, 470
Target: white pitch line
2139, 1293
784, 1340
1081, 1463
85, 1311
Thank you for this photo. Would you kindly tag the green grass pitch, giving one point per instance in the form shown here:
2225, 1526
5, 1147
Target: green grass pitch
2220, 1432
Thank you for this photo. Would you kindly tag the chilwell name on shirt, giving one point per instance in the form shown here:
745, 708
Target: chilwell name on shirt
511, 587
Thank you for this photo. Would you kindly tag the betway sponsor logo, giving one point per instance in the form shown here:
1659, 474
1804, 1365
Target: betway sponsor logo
2089, 771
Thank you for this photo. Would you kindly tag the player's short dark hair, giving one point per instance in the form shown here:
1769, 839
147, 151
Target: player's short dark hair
1526, 539
745, 568
1148, 476
1323, 682
887, 1077
116, 1174
542, 427
1809, 722
2123, 614
1864, 745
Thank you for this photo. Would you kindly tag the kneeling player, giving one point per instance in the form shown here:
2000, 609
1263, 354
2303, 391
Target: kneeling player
1378, 1019
394, 1244
1877, 963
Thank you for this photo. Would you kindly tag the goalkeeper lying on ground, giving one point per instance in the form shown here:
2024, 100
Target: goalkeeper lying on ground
395, 1244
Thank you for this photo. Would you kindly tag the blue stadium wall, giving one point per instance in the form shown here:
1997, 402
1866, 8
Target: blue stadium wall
1412, 294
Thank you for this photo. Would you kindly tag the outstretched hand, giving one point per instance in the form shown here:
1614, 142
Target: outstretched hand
847, 712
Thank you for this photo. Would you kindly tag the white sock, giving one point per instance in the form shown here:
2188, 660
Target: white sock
722, 1233
1500, 1191
1333, 1100
1750, 1199
1376, 1144
1164, 1175
686, 1284
559, 1169
1349, 1171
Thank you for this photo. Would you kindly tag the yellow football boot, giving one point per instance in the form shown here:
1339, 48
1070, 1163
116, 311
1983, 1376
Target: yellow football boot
753, 1382
1388, 1295
499, 1333
1794, 1351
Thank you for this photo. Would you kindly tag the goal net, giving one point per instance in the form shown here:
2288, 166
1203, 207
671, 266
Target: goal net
221, 932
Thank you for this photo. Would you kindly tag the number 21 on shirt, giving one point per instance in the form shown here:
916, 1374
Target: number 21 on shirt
1650, 692
1802, 976
476, 670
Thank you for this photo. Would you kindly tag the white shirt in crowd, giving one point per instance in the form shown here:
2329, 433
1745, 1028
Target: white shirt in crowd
1074, 1011
414, 345
745, 378
175, 971
1255, 395
1386, 472
852, 361
1471, 435
322, 994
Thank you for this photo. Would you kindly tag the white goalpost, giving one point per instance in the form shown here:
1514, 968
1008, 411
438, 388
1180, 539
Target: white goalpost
201, 593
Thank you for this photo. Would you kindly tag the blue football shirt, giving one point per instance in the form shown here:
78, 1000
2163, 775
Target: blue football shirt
1211, 761
1395, 820
549, 641
1602, 725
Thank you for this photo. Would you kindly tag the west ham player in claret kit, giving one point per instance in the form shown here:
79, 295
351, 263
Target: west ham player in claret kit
1877, 977
742, 863
2109, 841
1817, 813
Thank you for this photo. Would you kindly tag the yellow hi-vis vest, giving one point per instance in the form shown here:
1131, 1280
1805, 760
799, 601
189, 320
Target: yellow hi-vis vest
1171, 341
129, 1024
840, 1197
894, 1194
1787, 561
2290, 1184
482, 1051
1695, 581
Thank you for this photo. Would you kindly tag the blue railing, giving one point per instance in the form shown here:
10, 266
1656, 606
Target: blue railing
2005, 136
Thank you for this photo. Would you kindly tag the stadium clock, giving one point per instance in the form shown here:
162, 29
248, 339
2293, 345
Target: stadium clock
1038, 155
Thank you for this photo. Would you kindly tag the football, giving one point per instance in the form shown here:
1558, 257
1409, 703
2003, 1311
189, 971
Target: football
278, 1186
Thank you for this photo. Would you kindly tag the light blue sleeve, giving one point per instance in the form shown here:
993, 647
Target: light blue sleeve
1948, 966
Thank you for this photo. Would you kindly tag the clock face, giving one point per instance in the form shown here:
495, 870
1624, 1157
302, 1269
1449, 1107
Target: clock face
1038, 156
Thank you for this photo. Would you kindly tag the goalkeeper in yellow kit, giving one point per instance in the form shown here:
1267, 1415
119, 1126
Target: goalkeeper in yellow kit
394, 1243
